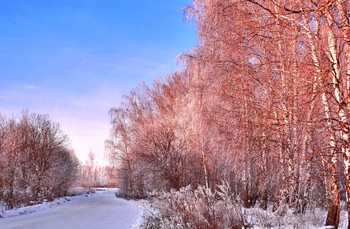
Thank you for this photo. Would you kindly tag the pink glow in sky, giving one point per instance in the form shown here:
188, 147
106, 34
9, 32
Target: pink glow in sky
74, 60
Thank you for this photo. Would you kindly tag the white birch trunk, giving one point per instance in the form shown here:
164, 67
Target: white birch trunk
331, 166
341, 97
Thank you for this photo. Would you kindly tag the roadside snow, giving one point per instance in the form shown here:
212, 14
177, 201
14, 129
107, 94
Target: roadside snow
312, 219
99, 210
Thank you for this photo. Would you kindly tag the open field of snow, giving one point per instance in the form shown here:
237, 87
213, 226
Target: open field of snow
99, 210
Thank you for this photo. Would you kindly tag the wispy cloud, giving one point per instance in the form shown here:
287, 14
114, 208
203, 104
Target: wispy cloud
101, 51
79, 91
29, 87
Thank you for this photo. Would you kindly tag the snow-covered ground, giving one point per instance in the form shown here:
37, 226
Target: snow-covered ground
312, 219
99, 210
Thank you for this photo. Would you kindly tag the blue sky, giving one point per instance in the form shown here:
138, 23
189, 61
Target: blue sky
75, 59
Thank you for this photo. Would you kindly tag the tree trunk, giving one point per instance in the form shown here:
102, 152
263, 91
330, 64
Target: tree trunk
333, 207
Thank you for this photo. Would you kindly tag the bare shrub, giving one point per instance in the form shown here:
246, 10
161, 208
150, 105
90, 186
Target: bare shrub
199, 208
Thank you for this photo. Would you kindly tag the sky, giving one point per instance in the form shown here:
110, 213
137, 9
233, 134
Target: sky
74, 60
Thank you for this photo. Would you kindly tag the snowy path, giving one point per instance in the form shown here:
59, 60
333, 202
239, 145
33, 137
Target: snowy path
101, 210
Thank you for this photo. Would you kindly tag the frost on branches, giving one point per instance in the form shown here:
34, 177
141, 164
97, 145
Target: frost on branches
263, 103
200, 208
36, 163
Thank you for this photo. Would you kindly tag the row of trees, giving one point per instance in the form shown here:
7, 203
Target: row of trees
93, 175
35, 160
263, 103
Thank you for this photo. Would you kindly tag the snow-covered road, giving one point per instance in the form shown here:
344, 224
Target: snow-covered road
101, 210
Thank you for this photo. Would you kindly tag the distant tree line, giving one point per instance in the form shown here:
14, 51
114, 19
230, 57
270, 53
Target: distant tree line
263, 103
36, 162
93, 175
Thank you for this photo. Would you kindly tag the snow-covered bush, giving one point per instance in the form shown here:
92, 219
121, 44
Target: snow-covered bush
35, 160
271, 218
199, 208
